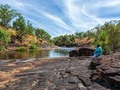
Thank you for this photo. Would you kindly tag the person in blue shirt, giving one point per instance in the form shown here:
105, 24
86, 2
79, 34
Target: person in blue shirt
97, 52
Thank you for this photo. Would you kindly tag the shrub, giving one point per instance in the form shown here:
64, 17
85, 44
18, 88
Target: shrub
4, 36
33, 47
11, 32
21, 49
102, 39
30, 39
2, 48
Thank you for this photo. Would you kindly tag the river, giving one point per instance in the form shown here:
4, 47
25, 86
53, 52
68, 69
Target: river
61, 52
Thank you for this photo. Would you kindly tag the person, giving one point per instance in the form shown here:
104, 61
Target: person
97, 52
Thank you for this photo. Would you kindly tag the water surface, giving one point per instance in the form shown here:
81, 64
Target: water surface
62, 52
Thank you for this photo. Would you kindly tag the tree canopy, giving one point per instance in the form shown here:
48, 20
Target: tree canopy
6, 15
40, 33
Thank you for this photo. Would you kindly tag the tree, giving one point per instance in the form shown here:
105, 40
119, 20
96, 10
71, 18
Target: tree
40, 33
64, 40
108, 35
79, 35
20, 26
102, 39
6, 15
114, 36
29, 28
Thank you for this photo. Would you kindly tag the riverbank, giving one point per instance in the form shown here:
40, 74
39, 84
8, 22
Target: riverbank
13, 47
48, 74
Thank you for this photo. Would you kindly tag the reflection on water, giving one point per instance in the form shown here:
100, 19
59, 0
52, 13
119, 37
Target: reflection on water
63, 52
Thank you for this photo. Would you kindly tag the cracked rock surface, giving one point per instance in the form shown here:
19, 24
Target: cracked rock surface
48, 74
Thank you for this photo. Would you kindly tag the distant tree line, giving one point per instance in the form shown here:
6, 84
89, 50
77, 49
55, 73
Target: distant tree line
64, 40
107, 35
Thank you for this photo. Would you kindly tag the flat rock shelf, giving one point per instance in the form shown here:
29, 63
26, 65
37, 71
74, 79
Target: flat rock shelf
68, 73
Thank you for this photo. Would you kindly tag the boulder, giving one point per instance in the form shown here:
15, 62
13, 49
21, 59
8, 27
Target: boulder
85, 52
81, 52
73, 53
108, 73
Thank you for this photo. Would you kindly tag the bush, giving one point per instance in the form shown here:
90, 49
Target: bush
2, 48
102, 39
4, 36
11, 32
33, 47
21, 49
30, 39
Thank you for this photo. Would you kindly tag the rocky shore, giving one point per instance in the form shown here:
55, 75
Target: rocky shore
70, 73
106, 71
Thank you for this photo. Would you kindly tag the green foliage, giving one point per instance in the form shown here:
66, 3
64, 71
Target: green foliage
102, 39
64, 40
22, 28
108, 36
79, 35
21, 49
19, 26
25, 33
114, 36
6, 15
89, 33
40, 33
29, 28
4, 36
33, 47
2, 48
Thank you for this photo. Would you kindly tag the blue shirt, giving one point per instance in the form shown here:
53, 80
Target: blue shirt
98, 51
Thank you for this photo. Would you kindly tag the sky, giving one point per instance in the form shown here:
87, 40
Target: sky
59, 17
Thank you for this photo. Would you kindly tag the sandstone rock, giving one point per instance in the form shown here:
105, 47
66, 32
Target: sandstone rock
73, 53
81, 52
85, 52
72, 80
63, 74
81, 86
106, 73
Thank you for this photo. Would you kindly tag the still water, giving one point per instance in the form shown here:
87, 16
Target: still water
62, 52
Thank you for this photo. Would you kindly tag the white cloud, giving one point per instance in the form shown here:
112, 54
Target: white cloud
54, 19
76, 15
57, 20
81, 12
107, 3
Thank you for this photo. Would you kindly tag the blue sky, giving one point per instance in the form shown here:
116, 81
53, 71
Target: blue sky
59, 17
